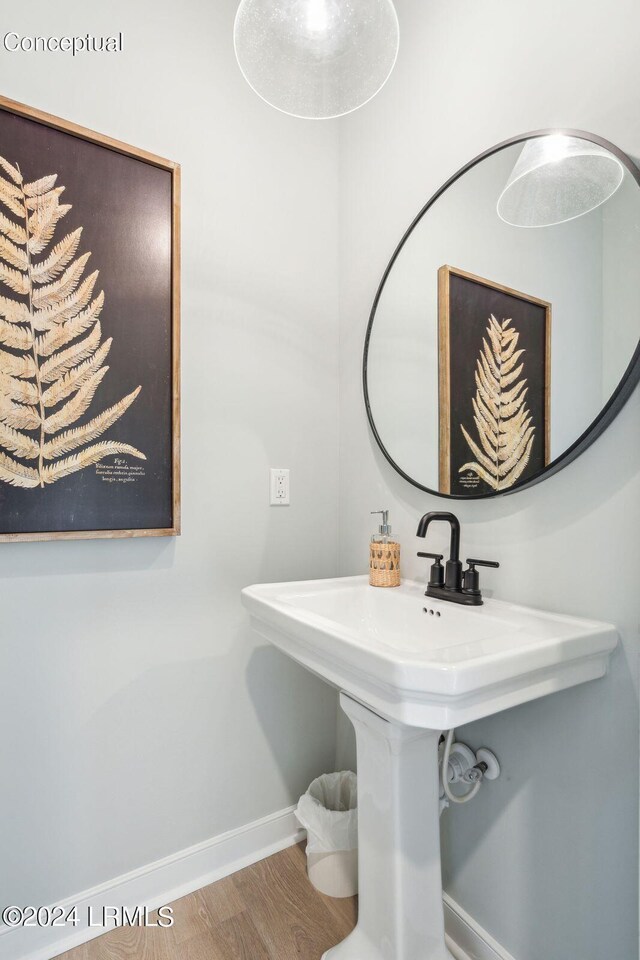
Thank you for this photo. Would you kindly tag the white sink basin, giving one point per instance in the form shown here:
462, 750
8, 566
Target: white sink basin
408, 667
386, 648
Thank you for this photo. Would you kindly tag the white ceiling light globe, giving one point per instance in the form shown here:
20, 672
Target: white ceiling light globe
316, 59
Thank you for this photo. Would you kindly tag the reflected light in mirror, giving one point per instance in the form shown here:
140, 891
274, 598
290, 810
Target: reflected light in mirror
558, 178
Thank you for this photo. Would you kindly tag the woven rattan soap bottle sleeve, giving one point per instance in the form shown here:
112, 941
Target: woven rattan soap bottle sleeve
384, 555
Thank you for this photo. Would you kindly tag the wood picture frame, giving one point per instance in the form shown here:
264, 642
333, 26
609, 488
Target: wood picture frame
121, 210
494, 431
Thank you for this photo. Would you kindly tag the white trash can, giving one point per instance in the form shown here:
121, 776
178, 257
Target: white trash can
328, 812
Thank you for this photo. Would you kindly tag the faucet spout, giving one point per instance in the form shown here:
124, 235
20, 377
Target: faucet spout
452, 520
452, 584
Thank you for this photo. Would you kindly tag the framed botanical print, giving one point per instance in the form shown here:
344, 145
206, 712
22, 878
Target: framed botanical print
494, 384
89, 333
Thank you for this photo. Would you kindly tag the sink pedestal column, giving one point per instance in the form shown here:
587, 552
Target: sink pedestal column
400, 883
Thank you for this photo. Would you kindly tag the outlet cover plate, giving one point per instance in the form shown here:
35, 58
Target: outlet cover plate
279, 487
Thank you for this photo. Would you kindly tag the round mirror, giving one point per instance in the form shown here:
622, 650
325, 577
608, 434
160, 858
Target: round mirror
504, 336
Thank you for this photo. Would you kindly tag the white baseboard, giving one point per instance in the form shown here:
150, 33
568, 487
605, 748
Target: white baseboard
156, 884
166, 880
466, 939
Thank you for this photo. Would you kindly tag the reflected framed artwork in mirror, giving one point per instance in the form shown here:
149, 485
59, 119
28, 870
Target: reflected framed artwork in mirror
466, 406
494, 364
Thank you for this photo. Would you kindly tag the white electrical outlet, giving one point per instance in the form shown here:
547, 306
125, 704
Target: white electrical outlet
279, 487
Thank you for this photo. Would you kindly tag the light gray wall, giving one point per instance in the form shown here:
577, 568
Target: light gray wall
546, 858
138, 713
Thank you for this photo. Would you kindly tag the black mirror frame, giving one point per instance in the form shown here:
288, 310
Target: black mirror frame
617, 400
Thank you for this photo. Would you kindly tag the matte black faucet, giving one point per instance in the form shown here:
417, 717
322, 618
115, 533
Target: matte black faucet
449, 582
453, 575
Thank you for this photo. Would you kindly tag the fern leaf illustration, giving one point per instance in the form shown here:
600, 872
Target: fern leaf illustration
73, 409
57, 260
21, 390
51, 351
10, 203
64, 333
40, 201
509, 396
76, 377
504, 427
44, 222
510, 362
13, 231
488, 438
17, 366
58, 364
15, 336
490, 421
57, 291
78, 461
38, 187
10, 189
510, 407
15, 279
518, 451
65, 442
13, 172
44, 318
482, 458
12, 254
13, 311
15, 473
21, 444
18, 415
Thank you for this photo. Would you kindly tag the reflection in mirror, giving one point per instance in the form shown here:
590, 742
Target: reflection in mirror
558, 178
492, 348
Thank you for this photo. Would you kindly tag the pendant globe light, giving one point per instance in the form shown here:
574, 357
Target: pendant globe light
316, 59
558, 178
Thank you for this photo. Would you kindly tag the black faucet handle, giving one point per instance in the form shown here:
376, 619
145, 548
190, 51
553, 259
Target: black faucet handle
436, 576
471, 577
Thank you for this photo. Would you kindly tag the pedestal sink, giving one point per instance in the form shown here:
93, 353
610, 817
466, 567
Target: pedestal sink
409, 667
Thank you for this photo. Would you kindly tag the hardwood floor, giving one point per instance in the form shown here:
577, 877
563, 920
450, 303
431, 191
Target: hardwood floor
268, 911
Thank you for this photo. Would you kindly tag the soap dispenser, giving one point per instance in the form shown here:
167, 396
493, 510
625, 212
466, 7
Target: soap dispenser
384, 555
